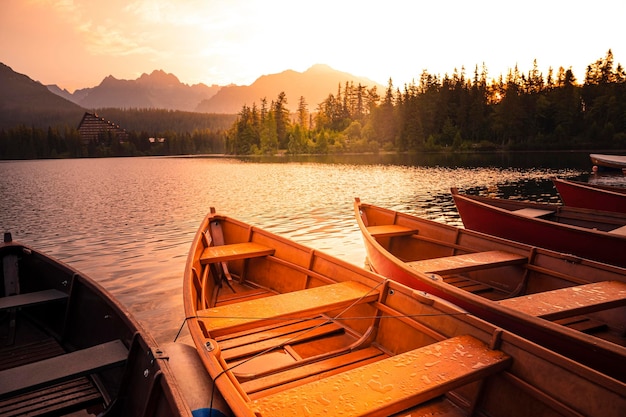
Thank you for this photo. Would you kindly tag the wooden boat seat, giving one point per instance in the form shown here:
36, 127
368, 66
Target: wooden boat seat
392, 384
304, 303
231, 252
467, 262
619, 231
570, 301
391, 230
47, 372
31, 298
533, 212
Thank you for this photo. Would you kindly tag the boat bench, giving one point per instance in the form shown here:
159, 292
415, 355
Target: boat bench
468, 262
46, 372
533, 212
619, 231
570, 301
234, 251
391, 230
31, 298
304, 303
392, 384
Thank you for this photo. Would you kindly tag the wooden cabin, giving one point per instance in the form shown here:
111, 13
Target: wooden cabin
93, 128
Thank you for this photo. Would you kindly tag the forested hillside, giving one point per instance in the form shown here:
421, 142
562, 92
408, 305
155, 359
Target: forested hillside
151, 132
456, 112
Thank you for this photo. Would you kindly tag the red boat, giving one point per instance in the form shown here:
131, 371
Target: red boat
591, 196
570, 305
592, 234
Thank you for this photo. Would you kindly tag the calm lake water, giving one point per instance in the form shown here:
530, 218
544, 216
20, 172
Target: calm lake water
128, 222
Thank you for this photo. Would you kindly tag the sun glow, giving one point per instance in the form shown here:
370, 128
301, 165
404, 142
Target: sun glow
76, 43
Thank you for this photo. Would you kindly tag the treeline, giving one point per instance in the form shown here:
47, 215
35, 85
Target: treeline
516, 112
151, 132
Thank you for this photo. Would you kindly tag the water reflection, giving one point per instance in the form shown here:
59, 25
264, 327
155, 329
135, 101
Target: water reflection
128, 223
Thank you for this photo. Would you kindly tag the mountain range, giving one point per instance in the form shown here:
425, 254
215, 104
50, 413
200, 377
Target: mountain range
27, 102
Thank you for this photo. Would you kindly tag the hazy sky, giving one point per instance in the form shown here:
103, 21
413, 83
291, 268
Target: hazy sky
76, 43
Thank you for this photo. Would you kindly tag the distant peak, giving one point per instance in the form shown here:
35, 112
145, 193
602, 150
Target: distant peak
320, 68
159, 76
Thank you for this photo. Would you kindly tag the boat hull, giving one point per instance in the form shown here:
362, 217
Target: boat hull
588, 196
75, 343
592, 239
395, 257
284, 329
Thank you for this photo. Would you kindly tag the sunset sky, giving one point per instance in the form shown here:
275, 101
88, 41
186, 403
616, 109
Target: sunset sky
76, 43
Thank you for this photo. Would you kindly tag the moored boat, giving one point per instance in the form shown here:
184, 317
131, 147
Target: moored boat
593, 234
288, 330
571, 305
591, 196
67, 346
608, 162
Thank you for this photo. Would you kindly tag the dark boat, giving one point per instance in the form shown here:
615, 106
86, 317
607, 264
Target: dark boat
608, 162
570, 305
591, 196
67, 346
286, 330
593, 234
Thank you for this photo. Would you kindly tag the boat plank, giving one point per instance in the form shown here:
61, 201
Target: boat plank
394, 383
61, 368
59, 399
570, 301
303, 303
231, 252
391, 230
31, 298
533, 212
467, 262
342, 362
265, 342
619, 231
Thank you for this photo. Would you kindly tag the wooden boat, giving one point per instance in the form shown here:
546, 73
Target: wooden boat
593, 234
66, 345
570, 305
591, 196
287, 330
608, 162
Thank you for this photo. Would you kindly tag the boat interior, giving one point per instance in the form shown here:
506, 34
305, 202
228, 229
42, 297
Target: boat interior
562, 288
285, 332
63, 347
614, 223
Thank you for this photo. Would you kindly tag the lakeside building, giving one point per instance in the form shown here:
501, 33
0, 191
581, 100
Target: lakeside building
93, 128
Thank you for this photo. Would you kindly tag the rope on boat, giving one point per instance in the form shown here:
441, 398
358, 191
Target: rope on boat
304, 332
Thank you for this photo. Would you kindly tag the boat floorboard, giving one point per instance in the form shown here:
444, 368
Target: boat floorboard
58, 399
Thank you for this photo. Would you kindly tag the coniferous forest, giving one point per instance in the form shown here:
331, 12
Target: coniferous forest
458, 112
